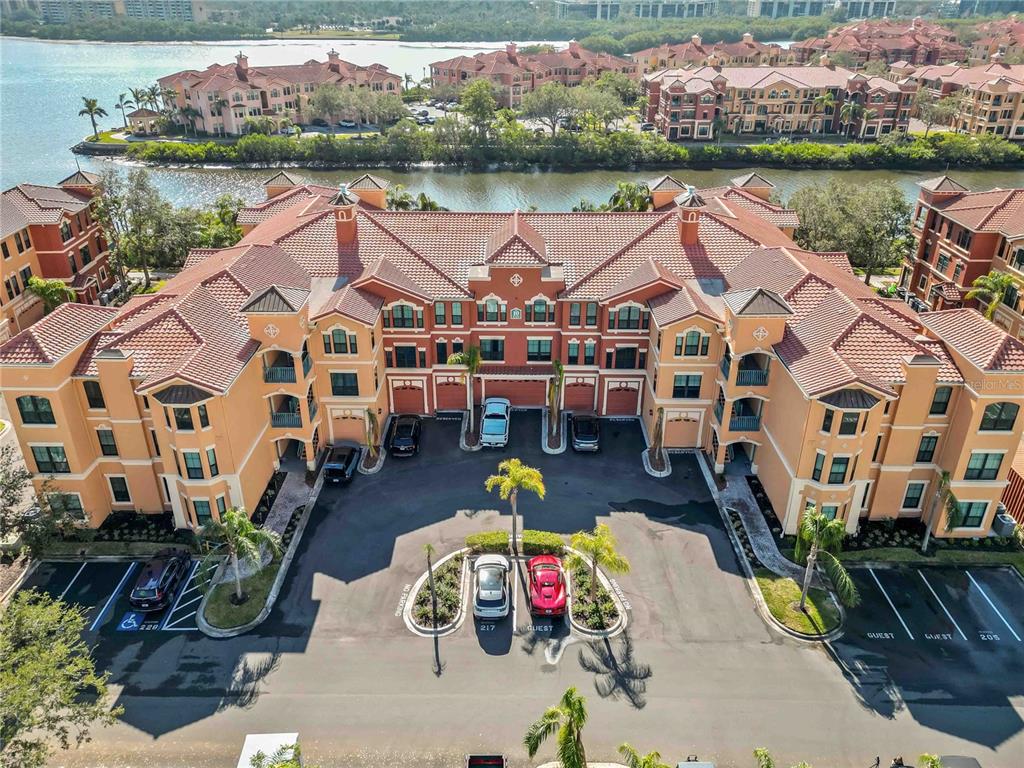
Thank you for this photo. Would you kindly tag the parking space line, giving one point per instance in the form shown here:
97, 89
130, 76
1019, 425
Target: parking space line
890, 602
113, 595
992, 605
181, 594
942, 605
73, 579
174, 628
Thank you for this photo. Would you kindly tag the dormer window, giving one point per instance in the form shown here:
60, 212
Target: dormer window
338, 341
692, 344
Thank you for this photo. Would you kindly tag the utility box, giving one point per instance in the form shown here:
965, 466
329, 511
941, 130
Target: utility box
1003, 524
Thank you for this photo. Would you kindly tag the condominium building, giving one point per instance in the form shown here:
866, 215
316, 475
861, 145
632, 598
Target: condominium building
697, 103
219, 99
745, 53
960, 235
916, 41
1004, 37
513, 73
333, 313
644, 9
780, 9
66, 11
49, 232
866, 9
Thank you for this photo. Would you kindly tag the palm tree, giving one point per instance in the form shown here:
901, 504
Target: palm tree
426, 203
599, 548
123, 102
629, 196
514, 476
992, 289
428, 550
188, 116
825, 102
555, 396
849, 113
866, 117
944, 499
93, 109
372, 433
469, 357
634, 759
566, 719
400, 199
153, 94
821, 537
243, 540
658, 435
140, 96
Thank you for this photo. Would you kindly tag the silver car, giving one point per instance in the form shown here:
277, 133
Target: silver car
491, 587
494, 424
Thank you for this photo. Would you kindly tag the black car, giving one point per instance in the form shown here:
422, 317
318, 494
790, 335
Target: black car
159, 580
586, 432
341, 464
405, 437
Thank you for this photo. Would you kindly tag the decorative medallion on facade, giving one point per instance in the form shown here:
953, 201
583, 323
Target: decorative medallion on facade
271, 330
760, 333
516, 279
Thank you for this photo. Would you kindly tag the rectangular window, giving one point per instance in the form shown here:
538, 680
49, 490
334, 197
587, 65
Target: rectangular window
492, 349
457, 347
829, 511
202, 508
441, 350
456, 313
405, 356
421, 356
826, 422
573, 356
589, 352
999, 417
972, 513
440, 316
686, 386
35, 410
211, 459
193, 465
94, 394
878, 446
67, 502
848, 423
336, 342
183, 418
983, 466
222, 506
926, 449
592, 314
912, 497
119, 490
344, 384
819, 465
204, 417
538, 350
574, 313
625, 357
837, 472
940, 401
51, 459
108, 446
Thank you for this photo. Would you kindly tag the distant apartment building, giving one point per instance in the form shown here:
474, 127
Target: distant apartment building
745, 53
645, 9
1003, 38
992, 94
65, 11
514, 74
866, 9
696, 103
985, 7
49, 232
960, 235
916, 41
222, 96
782, 9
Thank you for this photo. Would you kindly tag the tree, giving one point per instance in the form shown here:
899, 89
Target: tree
555, 396
478, 104
929, 761
944, 498
140, 96
428, 550
188, 116
400, 199
243, 541
288, 756
372, 433
218, 227
634, 759
876, 68
826, 102
15, 480
820, 537
328, 102
388, 108
123, 102
932, 111
992, 289
866, 117
471, 358
92, 108
566, 719
53, 292
48, 680
514, 476
630, 196
624, 87
548, 104
599, 548
849, 114
601, 108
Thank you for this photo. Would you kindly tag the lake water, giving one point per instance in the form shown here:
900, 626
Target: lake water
41, 85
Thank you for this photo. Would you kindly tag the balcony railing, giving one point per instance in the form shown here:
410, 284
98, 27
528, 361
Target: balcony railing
286, 419
744, 423
751, 377
313, 408
718, 412
279, 374
307, 363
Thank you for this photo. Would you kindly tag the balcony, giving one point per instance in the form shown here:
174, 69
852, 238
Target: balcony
307, 363
718, 411
744, 423
751, 377
313, 408
285, 419
279, 374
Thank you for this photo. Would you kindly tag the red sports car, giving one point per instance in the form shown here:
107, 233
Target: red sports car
547, 586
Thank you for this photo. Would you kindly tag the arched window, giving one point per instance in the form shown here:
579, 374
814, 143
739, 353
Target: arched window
35, 410
339, 341
999, 417
629, 317
491, 311
402, 316
692, 344
540, 312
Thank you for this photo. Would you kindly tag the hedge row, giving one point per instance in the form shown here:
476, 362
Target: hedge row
534, 543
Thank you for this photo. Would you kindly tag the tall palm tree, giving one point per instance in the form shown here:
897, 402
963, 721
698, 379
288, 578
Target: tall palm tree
992, 289
372, 433
514, 476
123, 103
599, 548
469, 357
849, 113
658, 436
824, 102
566, 719
140, 96
866, 117
243, 540
634, 759
428, 550
188, 116
944, 499
401, 199
820, 537
555, 396
93, 109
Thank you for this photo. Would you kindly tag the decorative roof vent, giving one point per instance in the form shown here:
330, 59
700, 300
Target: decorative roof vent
344, 197
690, 198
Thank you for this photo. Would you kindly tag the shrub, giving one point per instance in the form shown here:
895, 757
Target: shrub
542, 543
493, 542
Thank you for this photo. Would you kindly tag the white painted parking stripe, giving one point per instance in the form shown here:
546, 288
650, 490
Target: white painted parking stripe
183, 618
891, 605
181, 594
113, 595
936, 596
73, 578
992, 605
193, 601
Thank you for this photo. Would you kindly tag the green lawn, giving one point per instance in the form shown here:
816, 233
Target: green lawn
938, 557
107, 137
782, 596
221, 612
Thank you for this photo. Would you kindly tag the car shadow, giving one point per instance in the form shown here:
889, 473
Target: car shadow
495, 637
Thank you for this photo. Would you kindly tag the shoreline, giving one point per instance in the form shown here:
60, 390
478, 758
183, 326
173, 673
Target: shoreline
264, 39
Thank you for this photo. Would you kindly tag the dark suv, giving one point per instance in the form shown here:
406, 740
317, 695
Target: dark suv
405, 437
341, 464
586, 432
159, 580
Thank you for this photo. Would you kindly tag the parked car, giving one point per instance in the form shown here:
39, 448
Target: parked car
494, 424
547, 586
318, 121
346, 124
405, 437
159, 580
341, 464
645, 127
586, 432
491, 587
424, 113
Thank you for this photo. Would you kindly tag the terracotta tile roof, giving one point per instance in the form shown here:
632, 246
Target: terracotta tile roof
997, 210
281, 179
756, 301
666, 182
35, 204
752, 180
673, 306
79, 178
369, 181
526, 243
647, 273
65, 329
352, 302
983, 343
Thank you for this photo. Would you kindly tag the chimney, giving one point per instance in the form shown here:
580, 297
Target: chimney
690, 204
748, 38
344, 204
695, 39
333, 60
574, 49
512, 52
242, 62
825, 61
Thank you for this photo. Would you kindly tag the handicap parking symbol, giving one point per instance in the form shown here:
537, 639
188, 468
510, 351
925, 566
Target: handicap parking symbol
131, 622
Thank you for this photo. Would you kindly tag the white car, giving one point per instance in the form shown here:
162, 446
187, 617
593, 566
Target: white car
491, 587
494, 422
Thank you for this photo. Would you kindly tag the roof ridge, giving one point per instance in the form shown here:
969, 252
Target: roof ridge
633, 241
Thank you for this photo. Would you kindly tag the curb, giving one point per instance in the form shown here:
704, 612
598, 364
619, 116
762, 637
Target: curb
18, 582
460, 617
381, 454
286, 560
462, 435
598, 634
645, 457
544, 433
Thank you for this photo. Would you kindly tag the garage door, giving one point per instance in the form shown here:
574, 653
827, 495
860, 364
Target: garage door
682, 429
579, 396
407, 397
347, 425
520, 392
622, 398
451, 394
